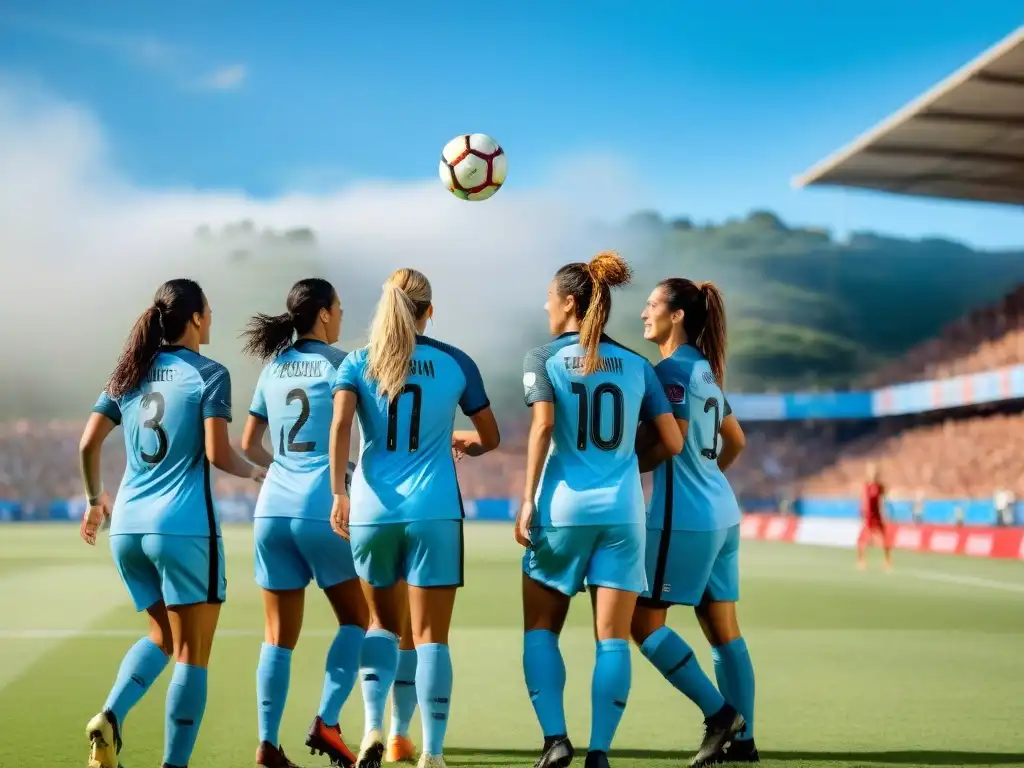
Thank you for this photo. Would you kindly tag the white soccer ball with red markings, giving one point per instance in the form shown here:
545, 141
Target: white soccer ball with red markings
473, 166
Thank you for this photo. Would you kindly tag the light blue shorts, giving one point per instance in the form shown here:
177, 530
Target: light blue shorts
566, 558
684, 566
180, 570
292, 551
425, 553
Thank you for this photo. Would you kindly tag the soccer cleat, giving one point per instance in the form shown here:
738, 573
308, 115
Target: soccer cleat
556, 753
371, 751
326, 740
596, 760
719, 731
744, 751
269, 756
400, 750
104, 741
431, 761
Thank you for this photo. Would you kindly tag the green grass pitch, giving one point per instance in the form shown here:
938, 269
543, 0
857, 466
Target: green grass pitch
921, 667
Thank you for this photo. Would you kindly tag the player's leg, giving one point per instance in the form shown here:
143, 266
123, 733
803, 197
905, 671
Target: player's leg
403, 696
733, 669
194, 586
616, 577
434, 571
554, 568
885, 541
678, 566
377, 554
862, 545
144, 661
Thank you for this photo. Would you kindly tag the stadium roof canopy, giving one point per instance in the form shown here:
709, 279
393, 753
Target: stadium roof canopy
963, 139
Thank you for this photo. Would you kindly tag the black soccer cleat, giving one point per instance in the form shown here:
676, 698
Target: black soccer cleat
556, 753
738, 751
719, 731
596, 760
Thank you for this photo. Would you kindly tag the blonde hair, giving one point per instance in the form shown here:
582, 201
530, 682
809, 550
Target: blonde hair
405, 298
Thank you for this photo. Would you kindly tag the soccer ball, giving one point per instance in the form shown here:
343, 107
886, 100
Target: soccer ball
473, 167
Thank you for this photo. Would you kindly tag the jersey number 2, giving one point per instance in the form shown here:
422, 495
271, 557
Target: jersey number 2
711, 404
590, 416
293, 447
154, 423
414, 420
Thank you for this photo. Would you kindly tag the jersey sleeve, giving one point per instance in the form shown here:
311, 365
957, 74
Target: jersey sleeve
347, 378
536, 382
258, 407
216, 400
728, 408
107, 406
474, 396
667, 382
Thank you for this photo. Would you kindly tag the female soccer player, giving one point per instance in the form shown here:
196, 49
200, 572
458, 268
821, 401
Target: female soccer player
294, 542
405, 516
587, 395
693, 521
175, 406
874, 529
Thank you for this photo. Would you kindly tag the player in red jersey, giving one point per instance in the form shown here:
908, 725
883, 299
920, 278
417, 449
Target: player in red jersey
874, 529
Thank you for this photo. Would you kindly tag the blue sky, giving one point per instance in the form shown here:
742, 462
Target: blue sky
712, 106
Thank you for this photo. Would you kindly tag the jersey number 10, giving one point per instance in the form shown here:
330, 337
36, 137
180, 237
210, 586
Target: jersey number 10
589, 421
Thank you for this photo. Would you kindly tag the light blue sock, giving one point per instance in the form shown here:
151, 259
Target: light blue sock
609, 692
671, 656
342, 669
140, 667
186, 702
544, 670
735, 676
378, 663
273, 676
403, 696
434, 694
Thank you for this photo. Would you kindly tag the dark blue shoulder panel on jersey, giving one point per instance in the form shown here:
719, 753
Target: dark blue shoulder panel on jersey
332, 355
474, 398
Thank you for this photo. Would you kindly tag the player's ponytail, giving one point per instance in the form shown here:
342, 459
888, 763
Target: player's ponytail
267, 336
405, 300
703, 319
175, 305
590, 286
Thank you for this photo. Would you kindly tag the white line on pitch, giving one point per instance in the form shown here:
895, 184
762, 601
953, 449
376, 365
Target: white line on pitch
967, 581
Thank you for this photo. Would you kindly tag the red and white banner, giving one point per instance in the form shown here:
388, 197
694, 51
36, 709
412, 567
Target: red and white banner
974, 541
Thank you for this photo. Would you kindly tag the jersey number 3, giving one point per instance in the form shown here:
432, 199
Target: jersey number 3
295, 447
154, 422
590, 409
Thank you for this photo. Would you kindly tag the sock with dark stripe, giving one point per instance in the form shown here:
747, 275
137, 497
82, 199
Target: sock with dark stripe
273, 676
609, 692
378, 663
186, 703
403, 695
671, 656
735, 675
342, 670
434, 693
544, 670
143, 664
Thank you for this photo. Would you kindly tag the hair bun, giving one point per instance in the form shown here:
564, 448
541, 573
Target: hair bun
610, 268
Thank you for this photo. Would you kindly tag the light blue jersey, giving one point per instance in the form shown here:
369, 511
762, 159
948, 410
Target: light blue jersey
591, 476
406, 472
690, 492
294, 397
166, 483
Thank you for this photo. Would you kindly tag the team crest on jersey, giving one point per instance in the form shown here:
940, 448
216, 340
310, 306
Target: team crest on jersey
675, 393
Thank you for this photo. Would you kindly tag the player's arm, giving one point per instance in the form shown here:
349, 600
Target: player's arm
477, 407
540, 396
346, 398
105, 416
256, 427
216, 409
666, 415
733, 439
542, 425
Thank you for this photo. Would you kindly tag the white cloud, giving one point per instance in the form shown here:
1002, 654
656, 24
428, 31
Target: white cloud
83, 247
225, 79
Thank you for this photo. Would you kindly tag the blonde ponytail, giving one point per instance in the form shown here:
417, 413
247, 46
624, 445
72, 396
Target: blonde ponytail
606, 271
405, 299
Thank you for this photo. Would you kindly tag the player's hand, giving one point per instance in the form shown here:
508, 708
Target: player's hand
258, 474
523, 522
339, 515
94, 518
459, 445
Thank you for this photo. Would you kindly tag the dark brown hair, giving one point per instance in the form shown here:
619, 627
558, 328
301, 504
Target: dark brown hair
266, 336
590, 285
174, 305
703, 318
